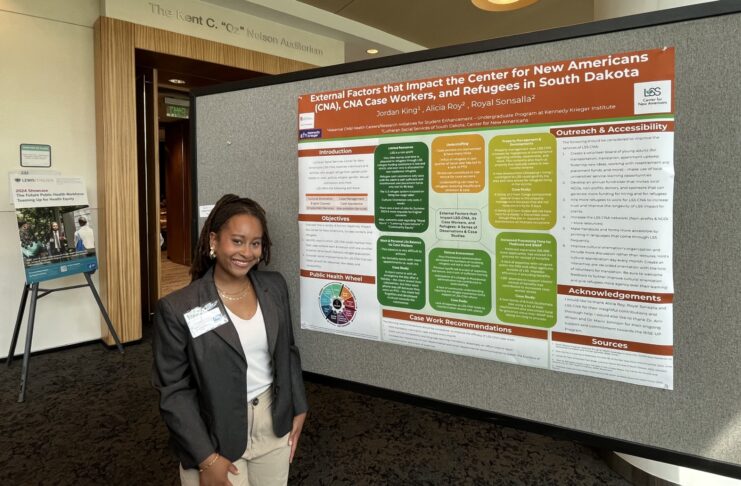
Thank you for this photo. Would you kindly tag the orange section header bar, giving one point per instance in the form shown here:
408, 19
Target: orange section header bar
336, 218
617, 344
629, 295
464, 324
336, 151
343, 277
609, 86
320, 194
616, 129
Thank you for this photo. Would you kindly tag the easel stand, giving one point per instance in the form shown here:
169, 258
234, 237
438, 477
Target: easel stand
37, 293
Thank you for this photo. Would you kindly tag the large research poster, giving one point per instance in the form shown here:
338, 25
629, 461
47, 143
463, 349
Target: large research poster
521, 214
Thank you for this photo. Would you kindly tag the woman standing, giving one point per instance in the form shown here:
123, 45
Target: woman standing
225, 363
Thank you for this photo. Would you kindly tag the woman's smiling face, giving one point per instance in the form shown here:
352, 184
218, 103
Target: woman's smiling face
238, 245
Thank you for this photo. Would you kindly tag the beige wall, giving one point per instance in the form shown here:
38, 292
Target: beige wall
607, 9
47, 96
212, 22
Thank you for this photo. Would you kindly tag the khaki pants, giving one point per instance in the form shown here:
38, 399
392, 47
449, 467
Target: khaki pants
265, 461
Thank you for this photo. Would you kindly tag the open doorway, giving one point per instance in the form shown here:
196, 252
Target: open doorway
166, 219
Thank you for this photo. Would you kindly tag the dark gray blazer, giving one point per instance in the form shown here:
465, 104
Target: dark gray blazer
202, 381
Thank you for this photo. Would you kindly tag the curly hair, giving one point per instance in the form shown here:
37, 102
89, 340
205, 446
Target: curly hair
228, 206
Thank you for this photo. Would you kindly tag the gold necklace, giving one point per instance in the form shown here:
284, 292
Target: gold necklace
239, 295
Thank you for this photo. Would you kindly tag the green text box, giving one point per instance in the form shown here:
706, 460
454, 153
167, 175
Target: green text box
526, 279
522, 181
460, 281
401, 190
401, 272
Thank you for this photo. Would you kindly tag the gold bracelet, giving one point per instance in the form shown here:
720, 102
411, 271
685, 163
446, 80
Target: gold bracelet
210, 463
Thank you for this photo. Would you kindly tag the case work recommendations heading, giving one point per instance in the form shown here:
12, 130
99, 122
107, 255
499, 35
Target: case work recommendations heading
520, 214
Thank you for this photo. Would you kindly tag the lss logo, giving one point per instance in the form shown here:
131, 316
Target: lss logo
652, 91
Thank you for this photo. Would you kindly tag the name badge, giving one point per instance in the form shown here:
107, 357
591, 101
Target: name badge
200, 320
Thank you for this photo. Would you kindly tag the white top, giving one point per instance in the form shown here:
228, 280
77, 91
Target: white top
254, 341
85, 233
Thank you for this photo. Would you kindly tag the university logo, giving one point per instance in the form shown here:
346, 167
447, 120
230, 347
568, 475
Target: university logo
316, 133
306, 120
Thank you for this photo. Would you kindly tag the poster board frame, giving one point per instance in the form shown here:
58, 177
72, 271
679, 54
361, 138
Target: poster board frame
694, 12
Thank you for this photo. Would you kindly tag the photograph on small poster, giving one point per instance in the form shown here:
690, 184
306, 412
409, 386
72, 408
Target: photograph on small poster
56, 227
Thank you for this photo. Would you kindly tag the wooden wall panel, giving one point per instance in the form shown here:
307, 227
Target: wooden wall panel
115, 105
118, 213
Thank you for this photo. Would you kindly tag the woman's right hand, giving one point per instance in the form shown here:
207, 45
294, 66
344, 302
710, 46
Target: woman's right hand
216, 473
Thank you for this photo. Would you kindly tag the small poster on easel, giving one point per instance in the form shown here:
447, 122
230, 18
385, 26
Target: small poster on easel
57, 237
55, 226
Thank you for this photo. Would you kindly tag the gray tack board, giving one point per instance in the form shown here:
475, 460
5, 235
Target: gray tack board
246, 144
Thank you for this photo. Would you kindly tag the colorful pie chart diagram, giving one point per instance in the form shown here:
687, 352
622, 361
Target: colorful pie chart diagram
337, 303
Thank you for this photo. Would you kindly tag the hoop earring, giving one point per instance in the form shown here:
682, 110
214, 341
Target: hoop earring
212, 253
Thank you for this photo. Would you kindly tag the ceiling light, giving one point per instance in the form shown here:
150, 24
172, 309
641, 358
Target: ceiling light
176, 81
502, 5
372, 51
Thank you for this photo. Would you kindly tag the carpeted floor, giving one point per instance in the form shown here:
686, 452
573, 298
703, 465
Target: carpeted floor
91, 418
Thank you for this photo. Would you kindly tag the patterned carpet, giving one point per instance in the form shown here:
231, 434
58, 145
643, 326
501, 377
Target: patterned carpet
91, 418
